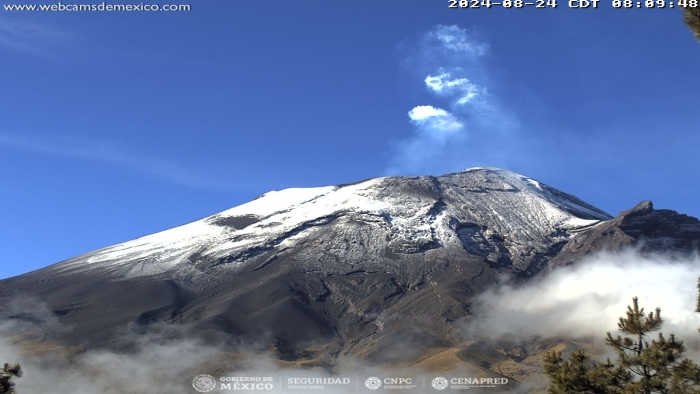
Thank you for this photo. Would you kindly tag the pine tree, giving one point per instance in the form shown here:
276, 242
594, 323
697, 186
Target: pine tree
8, 372
643, 366
691, 17
579, 375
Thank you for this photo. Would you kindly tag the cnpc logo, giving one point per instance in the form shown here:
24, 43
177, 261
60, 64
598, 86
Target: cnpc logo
374, 382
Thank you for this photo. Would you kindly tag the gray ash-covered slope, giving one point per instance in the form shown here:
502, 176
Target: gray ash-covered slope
346, 269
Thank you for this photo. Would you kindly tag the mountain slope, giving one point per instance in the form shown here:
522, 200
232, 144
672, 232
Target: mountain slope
349, 270
417, 214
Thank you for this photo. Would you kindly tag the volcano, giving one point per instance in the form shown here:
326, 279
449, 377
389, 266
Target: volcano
340, 271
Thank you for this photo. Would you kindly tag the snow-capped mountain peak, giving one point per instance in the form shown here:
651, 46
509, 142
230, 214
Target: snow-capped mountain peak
413, 214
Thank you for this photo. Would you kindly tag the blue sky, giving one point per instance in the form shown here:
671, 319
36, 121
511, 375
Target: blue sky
117, 125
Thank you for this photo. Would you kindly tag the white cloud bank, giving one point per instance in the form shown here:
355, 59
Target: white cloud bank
587, 299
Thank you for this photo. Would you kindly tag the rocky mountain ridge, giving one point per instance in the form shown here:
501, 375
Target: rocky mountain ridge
350, 270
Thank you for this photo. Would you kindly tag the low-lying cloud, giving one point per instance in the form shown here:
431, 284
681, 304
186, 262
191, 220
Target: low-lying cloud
584, 300
587, 299
166, 359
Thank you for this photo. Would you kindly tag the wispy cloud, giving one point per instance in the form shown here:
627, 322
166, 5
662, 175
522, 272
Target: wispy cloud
31, 36
474, 130
110, 152
456, 40
443, 85
435, 123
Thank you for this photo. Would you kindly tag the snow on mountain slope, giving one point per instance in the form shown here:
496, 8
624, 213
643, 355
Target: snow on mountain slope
447, 211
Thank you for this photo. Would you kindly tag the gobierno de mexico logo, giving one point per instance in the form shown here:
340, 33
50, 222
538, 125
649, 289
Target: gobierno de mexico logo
204, 383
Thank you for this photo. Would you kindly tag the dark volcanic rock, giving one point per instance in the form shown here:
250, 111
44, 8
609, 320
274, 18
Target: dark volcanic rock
660, 229
650, 230
351, 269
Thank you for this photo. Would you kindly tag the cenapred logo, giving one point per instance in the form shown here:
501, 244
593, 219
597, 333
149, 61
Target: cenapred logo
373, 383
204, 383
440, 383
464, 383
